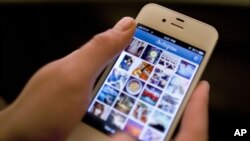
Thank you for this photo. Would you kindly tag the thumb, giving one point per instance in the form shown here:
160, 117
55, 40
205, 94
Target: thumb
68, 80
102, 48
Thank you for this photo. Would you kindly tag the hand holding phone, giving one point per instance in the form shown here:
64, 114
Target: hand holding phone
54, 92
144, 92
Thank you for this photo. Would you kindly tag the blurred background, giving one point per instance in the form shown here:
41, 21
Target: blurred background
35, 32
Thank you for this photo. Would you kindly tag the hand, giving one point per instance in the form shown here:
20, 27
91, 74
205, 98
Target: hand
56, 97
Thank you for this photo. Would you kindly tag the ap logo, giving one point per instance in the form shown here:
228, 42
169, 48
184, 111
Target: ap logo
240, 132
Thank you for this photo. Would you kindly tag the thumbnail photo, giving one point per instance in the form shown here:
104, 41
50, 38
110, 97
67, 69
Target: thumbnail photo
107, 95
136, 47
168, 103
159, 121
168, 61
100, 110
134, 86
124, 103
133, 128
177, 85
159, 78
116, 119
126, 62
151, 54
151, 95
117, 78
151, 135
143, 71
185, 69
142, 112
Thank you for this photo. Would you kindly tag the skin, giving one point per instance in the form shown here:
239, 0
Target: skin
56, 97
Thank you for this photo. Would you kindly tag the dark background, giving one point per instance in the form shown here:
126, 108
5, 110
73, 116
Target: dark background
35, 34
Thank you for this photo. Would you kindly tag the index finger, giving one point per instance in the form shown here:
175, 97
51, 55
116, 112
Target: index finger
194, 124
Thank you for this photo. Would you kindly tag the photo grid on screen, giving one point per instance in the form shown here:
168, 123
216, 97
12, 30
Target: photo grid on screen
143, 91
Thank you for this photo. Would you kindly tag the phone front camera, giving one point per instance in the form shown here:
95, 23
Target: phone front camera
164, 20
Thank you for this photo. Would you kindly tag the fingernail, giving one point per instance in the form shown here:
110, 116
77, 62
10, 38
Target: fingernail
205, 83
124, 24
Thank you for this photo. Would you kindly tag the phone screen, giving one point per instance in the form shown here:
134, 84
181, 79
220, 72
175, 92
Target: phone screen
145, 87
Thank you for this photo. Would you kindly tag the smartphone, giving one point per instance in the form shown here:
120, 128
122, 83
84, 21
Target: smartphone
145, 90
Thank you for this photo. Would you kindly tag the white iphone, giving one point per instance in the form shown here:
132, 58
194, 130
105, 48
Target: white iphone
145, 91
